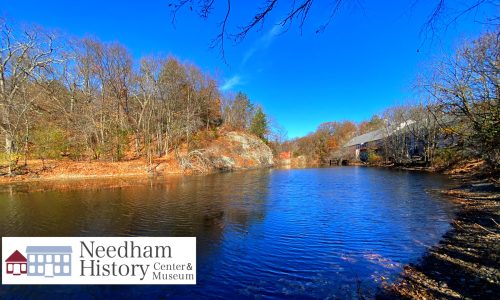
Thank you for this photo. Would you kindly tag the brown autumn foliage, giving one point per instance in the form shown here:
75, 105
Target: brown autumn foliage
84, 99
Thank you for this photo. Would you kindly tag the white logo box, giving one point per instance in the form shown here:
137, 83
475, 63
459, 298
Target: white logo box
98, 260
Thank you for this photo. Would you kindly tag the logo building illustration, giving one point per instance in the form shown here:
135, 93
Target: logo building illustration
48, 261
16, 263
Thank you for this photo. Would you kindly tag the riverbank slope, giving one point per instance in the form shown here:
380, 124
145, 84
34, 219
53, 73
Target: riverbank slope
466, 262
229, 152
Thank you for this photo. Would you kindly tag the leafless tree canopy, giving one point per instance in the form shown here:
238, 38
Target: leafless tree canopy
86, 99
443, 14
466, 88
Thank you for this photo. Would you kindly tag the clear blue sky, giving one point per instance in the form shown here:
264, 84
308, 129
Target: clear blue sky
365, 61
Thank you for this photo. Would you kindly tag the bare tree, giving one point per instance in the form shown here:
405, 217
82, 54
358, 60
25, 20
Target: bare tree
237, 111
85, 98
26, 59
466, 88
396, 134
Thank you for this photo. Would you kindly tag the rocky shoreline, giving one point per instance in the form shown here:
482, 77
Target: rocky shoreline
466, 262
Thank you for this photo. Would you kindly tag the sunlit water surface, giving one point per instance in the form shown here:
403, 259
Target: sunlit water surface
310, 233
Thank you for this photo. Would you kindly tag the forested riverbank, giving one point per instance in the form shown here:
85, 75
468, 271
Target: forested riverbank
68, 101
72, 101
232, 151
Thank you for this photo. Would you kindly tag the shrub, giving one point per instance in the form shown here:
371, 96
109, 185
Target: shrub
374, 158
49, 142
444, 157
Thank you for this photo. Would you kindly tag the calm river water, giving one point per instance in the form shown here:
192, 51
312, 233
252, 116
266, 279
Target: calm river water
310, 233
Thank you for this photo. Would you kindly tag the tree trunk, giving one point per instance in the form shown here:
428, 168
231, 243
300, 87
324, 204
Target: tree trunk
9, 149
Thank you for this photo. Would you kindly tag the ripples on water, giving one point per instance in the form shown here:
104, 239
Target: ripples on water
311, 233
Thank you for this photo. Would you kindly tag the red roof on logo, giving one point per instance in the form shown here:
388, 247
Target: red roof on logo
16, 256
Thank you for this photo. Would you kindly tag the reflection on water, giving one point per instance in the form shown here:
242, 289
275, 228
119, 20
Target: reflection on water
313, 233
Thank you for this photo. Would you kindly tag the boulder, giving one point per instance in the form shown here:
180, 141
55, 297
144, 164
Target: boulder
238, 150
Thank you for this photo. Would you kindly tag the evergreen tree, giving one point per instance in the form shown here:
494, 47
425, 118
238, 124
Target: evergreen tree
259, 125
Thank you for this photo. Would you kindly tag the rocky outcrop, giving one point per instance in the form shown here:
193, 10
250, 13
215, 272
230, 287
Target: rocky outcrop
236, 150
231, 151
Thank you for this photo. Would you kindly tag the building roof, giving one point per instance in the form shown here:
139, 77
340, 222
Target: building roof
16, 256
48, 249
378, 134
367, 137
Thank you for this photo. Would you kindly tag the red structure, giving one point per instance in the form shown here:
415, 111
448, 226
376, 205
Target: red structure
285, 155
16, 264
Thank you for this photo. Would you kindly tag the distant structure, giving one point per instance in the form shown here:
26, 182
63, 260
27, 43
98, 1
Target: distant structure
285, 159
285, 155
359, 146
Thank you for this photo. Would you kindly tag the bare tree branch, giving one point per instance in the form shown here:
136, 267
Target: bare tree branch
219, 40
258, 18
446, 12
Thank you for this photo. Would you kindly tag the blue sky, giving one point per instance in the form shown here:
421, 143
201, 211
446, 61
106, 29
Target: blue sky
365, 61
